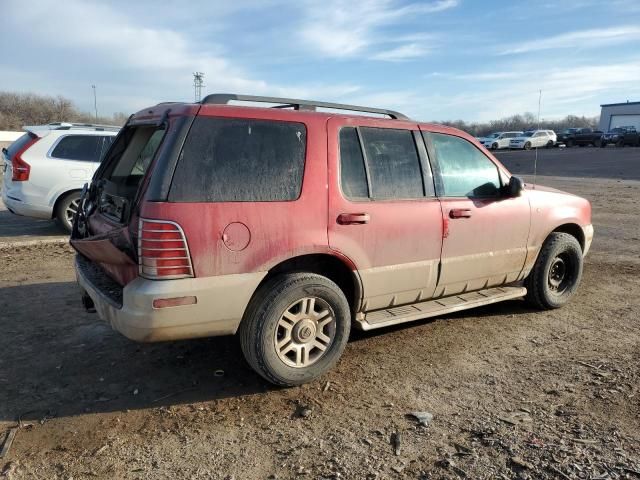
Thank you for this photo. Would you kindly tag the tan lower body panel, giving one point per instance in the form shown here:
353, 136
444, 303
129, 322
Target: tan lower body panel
432, 308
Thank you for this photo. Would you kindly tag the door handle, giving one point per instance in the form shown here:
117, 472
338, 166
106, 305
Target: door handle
460, 213
353, 218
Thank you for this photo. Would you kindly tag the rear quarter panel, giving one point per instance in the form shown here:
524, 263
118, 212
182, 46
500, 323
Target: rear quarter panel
278, 230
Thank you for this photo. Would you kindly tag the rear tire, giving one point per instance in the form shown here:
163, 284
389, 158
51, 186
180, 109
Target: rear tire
66, 209
557, 272
295, 328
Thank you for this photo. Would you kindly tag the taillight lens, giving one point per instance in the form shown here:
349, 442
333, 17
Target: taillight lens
162, 250
19, 168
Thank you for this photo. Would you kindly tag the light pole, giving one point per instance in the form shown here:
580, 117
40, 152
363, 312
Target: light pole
95, 102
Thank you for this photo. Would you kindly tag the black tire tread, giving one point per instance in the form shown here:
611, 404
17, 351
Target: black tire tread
61, 207
252, 320
536, 279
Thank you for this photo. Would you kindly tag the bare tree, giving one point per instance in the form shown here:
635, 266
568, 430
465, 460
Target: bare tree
19, 109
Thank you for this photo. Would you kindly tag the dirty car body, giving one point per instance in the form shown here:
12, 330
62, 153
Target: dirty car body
289, 225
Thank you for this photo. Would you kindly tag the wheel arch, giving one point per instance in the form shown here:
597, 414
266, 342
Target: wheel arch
572, 229
334, 267
59, 199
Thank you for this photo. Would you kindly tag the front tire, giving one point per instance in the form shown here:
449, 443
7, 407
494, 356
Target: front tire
66, 210
527, 146
557, 272
295, 328
494, 146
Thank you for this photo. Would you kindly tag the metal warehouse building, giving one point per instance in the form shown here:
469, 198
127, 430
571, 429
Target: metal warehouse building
619, 115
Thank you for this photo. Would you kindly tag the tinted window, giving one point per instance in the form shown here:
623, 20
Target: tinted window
353, 177
19, 144
464, 171
394, 166
78, 147
239, 160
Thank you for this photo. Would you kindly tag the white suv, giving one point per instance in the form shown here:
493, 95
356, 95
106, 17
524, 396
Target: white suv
46, 168
534, 139
499, 140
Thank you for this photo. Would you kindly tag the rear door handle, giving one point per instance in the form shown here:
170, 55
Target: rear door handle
353, 218
460, 213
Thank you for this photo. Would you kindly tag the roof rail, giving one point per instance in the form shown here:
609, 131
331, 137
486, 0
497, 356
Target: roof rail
297, 104
67, 126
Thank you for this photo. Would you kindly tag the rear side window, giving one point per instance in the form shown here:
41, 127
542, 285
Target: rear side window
353, 176
393, 162
19, 144
79, 147
240, 160
464, 170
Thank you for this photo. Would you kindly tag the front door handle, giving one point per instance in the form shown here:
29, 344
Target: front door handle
460, 213
353, 218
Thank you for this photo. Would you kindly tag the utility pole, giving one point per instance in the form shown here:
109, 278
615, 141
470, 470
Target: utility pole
198, 83
95, 102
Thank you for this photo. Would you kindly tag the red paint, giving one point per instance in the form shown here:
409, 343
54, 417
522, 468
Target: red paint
372, 234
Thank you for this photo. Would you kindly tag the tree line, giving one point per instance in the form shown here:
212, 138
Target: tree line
18, 109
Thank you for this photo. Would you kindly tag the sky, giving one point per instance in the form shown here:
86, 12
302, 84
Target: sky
432, 60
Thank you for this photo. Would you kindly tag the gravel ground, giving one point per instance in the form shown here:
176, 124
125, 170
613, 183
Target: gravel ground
514, 393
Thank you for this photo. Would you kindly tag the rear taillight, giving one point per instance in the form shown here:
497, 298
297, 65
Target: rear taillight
162, 250
21, 169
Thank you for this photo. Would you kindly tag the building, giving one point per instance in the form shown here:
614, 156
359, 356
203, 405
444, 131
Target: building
619, 115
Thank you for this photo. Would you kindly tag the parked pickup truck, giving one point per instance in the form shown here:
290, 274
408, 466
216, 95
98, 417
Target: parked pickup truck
621, 136
581, 137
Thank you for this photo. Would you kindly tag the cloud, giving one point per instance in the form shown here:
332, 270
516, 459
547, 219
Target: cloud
134, 64
401, 53
341, 29
579, 39
565, 89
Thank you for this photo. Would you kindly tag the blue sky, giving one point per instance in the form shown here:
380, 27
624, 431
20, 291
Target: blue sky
432, 59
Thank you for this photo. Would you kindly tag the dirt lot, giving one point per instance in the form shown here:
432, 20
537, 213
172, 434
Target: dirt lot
514, 393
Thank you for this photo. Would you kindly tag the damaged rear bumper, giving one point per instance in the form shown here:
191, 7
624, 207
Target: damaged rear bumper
218, 309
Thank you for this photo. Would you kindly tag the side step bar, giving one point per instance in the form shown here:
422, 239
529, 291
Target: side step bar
432, 308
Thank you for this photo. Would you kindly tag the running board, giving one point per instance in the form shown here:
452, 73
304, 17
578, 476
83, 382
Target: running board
432, 308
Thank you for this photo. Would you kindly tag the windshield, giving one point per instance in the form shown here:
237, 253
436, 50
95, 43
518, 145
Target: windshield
570, 130
526, 134
494, 135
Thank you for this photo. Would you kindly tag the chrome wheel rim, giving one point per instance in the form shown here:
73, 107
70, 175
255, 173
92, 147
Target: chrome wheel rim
71, 210
304, 332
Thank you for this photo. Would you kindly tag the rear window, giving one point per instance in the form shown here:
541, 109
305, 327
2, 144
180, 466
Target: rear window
88, 148
19, 144
134, 152
240, 160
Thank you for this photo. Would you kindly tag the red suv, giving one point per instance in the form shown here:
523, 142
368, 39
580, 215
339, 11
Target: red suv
288, 225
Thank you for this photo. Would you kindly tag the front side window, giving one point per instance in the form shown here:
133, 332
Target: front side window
464, 170
393, 162
240, 160
78, 147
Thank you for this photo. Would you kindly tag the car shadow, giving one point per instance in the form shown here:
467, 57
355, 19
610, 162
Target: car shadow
60, 361
57, 360
18, 228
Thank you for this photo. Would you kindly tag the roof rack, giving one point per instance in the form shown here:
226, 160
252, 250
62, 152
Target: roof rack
297, 104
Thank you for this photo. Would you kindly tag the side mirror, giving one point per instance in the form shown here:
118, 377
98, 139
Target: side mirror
515, 187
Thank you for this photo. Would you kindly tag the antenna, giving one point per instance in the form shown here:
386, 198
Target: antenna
198, 83
535, 162
95, 101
